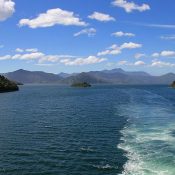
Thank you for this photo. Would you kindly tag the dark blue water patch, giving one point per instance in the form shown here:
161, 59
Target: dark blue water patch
61, 130
49, 130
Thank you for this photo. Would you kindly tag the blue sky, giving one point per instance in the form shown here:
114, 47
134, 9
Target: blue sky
74, 36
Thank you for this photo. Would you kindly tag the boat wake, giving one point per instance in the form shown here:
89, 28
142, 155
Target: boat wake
149, 137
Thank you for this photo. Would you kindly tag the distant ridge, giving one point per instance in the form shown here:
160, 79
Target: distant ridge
25, 76
114, 76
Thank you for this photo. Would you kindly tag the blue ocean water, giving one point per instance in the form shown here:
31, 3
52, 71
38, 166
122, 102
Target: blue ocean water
103, 130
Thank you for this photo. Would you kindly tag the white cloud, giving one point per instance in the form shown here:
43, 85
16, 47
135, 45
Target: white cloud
168, 37
53, 17
155, 54
130, 6
130, 45
26, 50
19, 50
120, 34
7, 8
157, 63
139, 55
165, 53
6, 57
32, 50
122, 63
45, 65
90, 32
101, 17
127, 63
115, 50
139, 63
50, 58
28, 56
83, 61
43, 59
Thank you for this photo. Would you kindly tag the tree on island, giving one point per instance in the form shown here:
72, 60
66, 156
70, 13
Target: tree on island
173, 84
81, 84
7, 85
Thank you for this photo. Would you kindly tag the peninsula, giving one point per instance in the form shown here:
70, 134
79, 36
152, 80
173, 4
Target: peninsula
7, 85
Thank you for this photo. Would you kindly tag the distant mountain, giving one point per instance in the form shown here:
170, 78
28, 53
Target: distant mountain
24, 76
84, 77
119, 76
119, 70
114, 76
64, 75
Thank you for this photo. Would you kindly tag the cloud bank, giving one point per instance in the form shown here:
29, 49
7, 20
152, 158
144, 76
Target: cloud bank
7, 8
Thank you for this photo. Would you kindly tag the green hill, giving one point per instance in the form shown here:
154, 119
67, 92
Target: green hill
7, 85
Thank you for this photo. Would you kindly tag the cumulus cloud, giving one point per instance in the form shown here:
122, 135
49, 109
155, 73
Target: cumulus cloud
165, 53
115, 50
7, 8
32, 50
28, 56
127, 63
130, 6
122, 63
101, 17
130, 45
53, 17
157, 63
19, 50
90, 32
5, 57
139, 55
83, 61
155, 54
121, 34
139, 63
38, 56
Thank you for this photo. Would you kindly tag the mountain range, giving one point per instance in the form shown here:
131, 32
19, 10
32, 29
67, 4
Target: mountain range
114, 76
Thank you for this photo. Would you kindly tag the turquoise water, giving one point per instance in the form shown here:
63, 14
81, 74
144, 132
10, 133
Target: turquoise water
103, 130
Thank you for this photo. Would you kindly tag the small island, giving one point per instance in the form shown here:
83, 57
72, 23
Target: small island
173, 84
7, 85
81, 85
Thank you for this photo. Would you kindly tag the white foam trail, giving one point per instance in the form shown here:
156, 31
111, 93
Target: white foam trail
147, 140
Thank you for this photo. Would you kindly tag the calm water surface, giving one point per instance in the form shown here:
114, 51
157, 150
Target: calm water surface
103, 130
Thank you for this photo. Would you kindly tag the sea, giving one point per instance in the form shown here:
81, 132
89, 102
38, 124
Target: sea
102, 130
